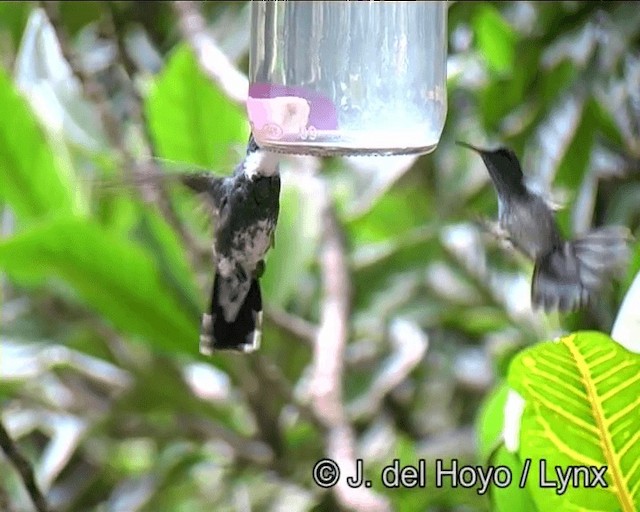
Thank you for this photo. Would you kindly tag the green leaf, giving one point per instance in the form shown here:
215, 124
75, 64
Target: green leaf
492, 452
582, 409
634, 266
190, 119
76, 17
116, 277
169, 255
575, 161
490, 422
13, 17
31, 181
511, 498
496, 39
390, 217
506, 94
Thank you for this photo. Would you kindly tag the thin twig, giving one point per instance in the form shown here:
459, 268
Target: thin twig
114, 28
271, 374
328, 366
296, 326
410, 345
248, 450
92, 89
138, 115
262, 402
5, 502
24, 469
97, 94
211, 58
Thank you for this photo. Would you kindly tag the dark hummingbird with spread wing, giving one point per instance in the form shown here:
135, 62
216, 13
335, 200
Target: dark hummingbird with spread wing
567, 273
246, 206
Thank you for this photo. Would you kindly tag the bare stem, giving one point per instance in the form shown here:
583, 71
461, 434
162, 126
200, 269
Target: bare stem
211, 58
24, 469
292, 324
114, 130
328, 366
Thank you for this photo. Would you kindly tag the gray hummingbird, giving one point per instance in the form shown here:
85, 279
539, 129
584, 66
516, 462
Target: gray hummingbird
567, 273
246, 206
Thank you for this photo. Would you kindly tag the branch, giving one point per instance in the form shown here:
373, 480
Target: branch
115, 27
5, 503
248, 450
328, 365
24, 469
271, 375
98, 95
261, 401
211, 58
296, 326
410, 344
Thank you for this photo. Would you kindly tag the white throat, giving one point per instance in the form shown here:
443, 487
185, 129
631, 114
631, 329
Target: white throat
261, 163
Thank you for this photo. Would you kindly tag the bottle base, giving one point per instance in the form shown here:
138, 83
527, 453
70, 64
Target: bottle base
336, 144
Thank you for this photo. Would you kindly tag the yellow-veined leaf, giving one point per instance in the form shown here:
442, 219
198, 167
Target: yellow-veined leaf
582, 410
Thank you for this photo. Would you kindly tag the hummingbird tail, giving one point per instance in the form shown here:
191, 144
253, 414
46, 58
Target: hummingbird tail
243, 333
569, 276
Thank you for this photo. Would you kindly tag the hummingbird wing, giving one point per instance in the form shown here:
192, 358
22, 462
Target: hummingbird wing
602, 253
570, 275
556, 282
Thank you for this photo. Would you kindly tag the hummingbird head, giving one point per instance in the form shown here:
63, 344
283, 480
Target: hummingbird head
504, 169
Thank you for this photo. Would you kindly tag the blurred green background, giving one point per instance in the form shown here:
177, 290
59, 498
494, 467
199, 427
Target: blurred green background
102, 288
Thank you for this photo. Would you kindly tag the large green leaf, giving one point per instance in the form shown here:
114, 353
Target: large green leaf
31, 180
390, 217
490, 422
169, 254
582, 408
190, 119
511, 498
575, 164
575, 161
13, 18
496, 39
111, 274
492, 452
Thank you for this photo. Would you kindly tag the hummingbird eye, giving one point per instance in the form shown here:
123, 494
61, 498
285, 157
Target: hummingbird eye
509, 160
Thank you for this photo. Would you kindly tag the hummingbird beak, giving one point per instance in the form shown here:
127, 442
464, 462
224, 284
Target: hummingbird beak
469, 146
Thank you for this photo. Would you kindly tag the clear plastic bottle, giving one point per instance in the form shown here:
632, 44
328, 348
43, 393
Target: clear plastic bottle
348, 77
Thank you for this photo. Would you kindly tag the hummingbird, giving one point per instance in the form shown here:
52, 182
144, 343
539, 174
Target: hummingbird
567, 274
245, 212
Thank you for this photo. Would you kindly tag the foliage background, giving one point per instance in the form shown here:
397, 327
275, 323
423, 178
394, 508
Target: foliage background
100, 380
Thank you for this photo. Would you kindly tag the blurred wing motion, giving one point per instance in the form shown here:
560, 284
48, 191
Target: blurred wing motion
568, 277
567, 274
246, 207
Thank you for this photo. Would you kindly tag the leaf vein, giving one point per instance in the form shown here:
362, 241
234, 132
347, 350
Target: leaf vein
612, 371
620, 387
597, 405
